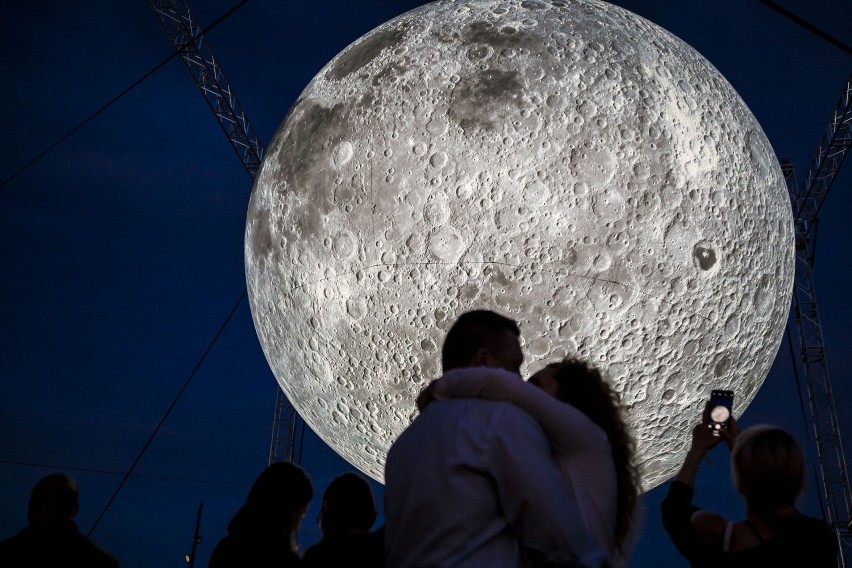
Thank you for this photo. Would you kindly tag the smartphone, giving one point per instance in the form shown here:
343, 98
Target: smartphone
721, 405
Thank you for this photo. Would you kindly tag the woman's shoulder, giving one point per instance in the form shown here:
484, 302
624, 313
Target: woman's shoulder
809, 528
817, 537
812, 523
710, 526
798, 541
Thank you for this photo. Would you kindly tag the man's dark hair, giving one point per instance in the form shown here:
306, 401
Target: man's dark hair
473, 331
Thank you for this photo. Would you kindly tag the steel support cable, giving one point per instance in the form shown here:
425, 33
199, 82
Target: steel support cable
808, 26
168, 411
702, 46
110, 472
839, 124
113, 100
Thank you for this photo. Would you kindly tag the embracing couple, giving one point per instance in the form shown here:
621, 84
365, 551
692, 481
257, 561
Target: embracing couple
496, 471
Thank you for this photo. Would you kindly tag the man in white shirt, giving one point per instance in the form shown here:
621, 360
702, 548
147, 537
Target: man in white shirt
473, 482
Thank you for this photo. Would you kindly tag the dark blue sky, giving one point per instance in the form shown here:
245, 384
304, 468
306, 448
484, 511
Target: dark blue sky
122, 249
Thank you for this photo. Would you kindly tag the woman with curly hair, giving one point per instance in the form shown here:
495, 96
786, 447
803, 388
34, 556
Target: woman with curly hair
582, 417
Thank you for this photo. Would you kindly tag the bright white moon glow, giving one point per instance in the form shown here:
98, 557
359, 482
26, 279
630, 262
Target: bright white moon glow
720, 414
566, 163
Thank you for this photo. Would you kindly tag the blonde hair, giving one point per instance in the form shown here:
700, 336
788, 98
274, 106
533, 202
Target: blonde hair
769, 467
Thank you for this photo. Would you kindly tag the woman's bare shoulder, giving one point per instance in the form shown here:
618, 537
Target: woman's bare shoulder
710, 526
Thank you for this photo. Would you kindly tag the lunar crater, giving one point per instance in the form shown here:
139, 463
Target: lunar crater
705, 257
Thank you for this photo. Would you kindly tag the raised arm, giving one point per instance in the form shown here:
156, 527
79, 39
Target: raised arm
692, 530
703, 440
568, 429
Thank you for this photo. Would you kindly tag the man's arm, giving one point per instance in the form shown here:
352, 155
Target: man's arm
536, 500
568, 429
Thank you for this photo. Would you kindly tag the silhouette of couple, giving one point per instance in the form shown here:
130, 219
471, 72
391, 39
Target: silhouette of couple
496, 471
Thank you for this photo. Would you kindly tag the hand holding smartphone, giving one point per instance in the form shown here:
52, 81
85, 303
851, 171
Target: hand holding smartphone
721, 406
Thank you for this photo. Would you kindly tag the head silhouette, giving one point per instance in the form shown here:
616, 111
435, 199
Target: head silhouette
275, 504
54, 497
347, 506
769, 468
482, 337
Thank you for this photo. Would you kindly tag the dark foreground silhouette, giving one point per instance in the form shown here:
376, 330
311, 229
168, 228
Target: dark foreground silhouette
52, 537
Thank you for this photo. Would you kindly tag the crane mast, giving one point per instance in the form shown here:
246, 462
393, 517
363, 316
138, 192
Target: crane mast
188, 39
807, 200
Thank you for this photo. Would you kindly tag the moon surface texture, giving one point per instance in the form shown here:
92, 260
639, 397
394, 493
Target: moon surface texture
566, 163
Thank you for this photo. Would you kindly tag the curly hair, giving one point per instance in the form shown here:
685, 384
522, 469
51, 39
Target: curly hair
583, 387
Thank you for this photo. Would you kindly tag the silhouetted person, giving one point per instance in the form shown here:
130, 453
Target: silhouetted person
582, 416
263, 532
348, 513
473, 482
769, 472
52, 538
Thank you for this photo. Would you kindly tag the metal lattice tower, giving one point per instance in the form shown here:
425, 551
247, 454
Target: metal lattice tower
190, 43
287, 426
807, 200
188, 39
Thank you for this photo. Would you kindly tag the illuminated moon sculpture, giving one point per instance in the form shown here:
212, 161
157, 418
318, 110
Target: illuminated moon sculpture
566, 163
